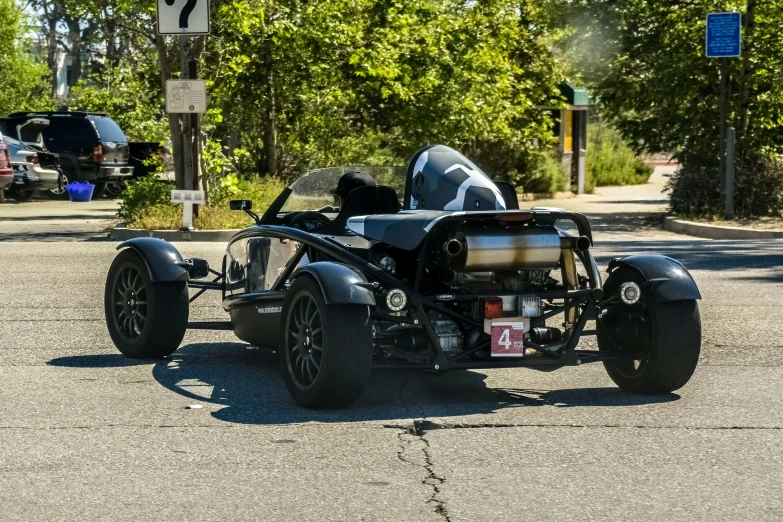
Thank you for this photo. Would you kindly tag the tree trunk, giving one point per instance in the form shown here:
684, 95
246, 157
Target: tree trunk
747, 67
51, 15
269, 167
75, 49
174, 124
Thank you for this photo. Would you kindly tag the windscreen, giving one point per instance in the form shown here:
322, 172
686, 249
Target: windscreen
108, 130
312, 191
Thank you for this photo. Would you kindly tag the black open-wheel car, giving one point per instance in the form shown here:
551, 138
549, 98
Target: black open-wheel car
455, 277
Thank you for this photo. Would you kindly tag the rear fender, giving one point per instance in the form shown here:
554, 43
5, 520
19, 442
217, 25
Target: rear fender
668, 279
160, 256
339, 283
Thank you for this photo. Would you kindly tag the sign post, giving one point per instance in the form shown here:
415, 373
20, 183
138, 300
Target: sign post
188, 95
723, 41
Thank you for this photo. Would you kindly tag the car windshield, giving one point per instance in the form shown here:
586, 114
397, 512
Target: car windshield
312, 190
108, 130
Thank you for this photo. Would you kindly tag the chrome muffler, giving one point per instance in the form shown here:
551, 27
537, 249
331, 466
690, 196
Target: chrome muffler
503, 249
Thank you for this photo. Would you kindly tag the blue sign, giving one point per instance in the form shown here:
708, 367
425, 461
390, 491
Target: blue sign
723, 35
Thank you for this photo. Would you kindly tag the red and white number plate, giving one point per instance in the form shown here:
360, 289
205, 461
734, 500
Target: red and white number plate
508, 339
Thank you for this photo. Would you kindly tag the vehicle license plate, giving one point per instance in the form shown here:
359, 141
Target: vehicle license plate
507, 339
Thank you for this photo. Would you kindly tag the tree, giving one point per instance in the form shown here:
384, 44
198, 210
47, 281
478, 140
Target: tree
22, 80
662, 93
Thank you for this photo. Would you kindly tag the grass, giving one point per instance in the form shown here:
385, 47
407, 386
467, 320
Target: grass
610, 161
144, 206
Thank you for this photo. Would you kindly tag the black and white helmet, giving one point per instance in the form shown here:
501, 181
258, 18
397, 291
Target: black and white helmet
440, 178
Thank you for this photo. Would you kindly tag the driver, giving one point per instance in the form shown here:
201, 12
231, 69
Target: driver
348, 182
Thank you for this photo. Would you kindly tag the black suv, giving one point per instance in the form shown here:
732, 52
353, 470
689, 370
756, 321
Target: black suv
91, 146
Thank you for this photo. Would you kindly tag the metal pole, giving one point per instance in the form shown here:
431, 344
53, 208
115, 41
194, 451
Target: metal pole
187, 144
724, 73
730, 139
193, 74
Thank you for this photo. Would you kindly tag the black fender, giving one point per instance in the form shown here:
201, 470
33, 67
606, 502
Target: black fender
668, 279
161, 258
341, 284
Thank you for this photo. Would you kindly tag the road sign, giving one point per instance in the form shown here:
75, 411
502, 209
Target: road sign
186, 97
723, 35
188, 198
183, 17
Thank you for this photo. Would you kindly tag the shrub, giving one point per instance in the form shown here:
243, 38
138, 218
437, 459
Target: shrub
545, 175
758, 186
610, 161
141, 194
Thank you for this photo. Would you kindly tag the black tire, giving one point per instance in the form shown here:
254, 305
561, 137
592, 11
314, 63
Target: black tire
21, 195
669, 332
145, 319
113, 189
60, 192
338, 339
100, 189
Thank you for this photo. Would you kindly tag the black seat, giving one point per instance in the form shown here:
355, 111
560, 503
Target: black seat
363, 201
509, 194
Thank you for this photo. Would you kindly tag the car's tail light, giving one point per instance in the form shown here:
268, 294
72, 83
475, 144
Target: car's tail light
493, 307
32, 159
97, 154
161, 154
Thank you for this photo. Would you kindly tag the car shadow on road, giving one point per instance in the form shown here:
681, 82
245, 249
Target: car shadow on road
248, 383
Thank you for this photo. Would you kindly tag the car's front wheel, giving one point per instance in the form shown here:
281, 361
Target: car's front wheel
667, 337
325, 350
145, 319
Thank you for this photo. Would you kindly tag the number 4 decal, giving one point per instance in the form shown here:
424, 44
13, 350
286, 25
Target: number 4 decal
505, 339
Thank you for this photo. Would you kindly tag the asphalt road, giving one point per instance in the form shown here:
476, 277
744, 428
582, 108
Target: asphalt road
88, 435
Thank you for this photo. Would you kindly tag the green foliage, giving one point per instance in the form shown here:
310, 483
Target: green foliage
140, 194
758, 187
610, 161
662, 93
23, 82
370, 82
147, 203
134, 102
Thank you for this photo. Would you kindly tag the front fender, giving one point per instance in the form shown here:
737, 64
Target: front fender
339, 283
161, 258
668, 279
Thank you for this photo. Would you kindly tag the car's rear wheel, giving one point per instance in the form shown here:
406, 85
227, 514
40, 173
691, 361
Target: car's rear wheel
145, 319
21, 194
666, 335
325, 350
61, 192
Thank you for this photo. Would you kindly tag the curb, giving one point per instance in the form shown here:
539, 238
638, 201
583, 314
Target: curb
122, 233
535, 197
704, 230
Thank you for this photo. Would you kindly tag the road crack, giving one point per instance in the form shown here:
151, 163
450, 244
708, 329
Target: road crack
414, 450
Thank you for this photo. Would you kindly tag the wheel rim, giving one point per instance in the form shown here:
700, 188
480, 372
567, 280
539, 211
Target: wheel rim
130, 303
630, 329
60, 190
304, 349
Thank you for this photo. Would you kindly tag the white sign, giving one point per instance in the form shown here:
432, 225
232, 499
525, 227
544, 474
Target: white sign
186, 97
188, 198
183, 16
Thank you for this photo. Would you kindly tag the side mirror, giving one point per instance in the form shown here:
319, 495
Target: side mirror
241, 204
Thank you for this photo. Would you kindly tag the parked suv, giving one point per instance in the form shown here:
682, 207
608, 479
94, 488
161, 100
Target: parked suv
91, 146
